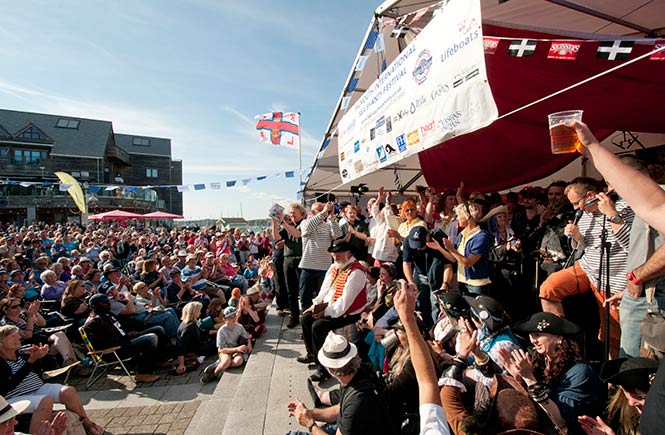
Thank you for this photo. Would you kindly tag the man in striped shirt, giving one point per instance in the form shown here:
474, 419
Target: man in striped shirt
342, 298
599, 213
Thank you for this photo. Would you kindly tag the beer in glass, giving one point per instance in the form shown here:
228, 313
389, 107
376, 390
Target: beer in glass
563, 136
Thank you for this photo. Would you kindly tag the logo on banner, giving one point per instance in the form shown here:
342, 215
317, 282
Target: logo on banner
465, 75
415, 104
389, 149
400, 116
661, 54
439, 90
490, 45
380, 123
564, 50
466, 25
401, 143
389, 124
345, 173
427, 130
381, 153
356, 146
358, 166
372, 133
413, 138
423, 65
450, 121
342, 156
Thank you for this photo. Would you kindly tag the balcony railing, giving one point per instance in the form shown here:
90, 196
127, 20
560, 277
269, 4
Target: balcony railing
119, 154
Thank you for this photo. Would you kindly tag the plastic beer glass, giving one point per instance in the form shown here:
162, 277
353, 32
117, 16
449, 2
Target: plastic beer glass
562, 135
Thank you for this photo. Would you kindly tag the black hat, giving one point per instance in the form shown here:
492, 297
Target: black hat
3, 271
549, 323
15, 271
453, 303
339, 245
110, 270
630, 373
489, 311
97, 298
396, 323
417, 237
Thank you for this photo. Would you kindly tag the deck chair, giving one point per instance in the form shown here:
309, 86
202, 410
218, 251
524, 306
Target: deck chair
97, 359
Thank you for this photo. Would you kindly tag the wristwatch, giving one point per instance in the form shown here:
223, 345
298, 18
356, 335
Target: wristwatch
616, 219
630, 276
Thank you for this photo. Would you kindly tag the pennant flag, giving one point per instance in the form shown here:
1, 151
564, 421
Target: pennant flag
352, 85
384, 65
131, 189
245, 181
360, 65
564, 50
614, 50
371, 39
660, 55
522, 47
345, 103
27, 183
230, 183
262, 177
380, 44
111, 188
490, 44
290, 174
95, 189
280, 128
399, 32
199, 187
65, 187
184, 188
215, 186
419, 14
46, 183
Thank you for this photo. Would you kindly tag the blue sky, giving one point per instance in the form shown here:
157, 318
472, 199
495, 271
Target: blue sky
195, 71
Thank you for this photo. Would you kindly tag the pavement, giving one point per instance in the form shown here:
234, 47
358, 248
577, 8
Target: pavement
249, 400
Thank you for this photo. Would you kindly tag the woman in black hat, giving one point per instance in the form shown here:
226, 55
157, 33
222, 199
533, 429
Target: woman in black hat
556, 379
633, 377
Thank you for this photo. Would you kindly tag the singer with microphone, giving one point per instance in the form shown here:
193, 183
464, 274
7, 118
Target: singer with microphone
596, 212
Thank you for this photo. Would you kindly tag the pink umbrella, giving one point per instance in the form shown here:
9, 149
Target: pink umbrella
115, 215
162, 215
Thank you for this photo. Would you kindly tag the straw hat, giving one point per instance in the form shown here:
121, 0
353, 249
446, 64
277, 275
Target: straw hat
495, 211
7, 411
336, 351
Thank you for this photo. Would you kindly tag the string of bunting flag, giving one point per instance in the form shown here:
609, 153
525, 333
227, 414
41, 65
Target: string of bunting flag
94, 188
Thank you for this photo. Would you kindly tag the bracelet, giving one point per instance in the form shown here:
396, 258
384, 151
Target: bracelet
311, 426
482, 362
538, 393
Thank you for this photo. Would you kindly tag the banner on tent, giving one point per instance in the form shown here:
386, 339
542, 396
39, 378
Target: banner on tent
430, 93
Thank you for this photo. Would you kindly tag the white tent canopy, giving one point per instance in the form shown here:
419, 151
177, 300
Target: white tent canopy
589, 19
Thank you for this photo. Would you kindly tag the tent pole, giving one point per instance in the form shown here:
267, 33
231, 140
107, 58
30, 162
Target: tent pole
611, 18
410, 182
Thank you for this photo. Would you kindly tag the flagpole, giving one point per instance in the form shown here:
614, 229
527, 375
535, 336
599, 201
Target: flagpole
299, 152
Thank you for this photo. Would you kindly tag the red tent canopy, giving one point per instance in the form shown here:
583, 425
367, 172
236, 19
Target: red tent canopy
161, 215
516, 149
115, 215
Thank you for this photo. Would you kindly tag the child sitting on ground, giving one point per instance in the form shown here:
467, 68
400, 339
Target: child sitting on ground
233, 347
235, 297
267, 286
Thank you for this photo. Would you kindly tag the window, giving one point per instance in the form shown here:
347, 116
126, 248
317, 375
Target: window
151, 173
4, 151
141, 141
85, 175
31, 133
76, 174
68, 123
28, 158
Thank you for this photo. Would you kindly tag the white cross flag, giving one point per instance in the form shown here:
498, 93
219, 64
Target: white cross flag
522, 47
614, 50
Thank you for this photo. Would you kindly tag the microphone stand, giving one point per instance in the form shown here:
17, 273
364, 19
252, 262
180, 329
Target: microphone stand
605, 256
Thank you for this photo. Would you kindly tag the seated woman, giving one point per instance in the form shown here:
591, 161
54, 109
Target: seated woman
29, 323
179, 293
632, 377
151, 276
73, 302
252, 312
92, 280
556, 379
191, 339
19, 381
53, 288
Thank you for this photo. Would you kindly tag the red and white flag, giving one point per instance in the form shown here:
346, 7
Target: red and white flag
490, 44
564, 50
660, 55
279, 128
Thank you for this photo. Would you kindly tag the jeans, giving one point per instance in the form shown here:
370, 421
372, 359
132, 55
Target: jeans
329, 428
311, 281
146, 346
166, 319
474, 290
424, 299
632, 311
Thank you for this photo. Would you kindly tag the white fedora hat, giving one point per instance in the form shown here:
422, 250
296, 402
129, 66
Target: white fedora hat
336, 351
7, 411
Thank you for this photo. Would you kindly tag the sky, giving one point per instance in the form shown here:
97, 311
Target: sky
194, 71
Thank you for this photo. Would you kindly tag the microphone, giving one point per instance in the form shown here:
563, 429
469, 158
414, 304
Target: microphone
576, 220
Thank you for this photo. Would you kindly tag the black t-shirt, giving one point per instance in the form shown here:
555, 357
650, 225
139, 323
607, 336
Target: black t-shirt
292, 245
422, 260
358, 246
652, 420
362, 408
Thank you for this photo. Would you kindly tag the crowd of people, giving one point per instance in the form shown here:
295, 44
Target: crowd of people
453, 311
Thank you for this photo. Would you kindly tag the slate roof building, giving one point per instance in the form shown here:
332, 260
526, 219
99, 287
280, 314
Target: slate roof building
34, 145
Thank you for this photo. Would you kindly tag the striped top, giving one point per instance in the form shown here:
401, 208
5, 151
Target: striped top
591, 227
31, 383
317, 236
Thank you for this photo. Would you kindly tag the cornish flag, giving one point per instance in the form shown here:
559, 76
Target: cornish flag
522, 47
614, 50
279, 128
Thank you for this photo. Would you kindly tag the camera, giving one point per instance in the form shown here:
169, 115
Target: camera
421, 189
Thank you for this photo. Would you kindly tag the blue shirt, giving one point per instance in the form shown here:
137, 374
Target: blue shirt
479, 244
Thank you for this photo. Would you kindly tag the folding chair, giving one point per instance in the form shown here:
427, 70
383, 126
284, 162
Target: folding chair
98, 362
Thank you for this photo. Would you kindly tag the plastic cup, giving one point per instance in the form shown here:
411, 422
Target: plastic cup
563, 136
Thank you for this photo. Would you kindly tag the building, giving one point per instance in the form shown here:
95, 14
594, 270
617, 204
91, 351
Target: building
34, 145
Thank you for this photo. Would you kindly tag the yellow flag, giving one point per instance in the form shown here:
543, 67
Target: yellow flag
74, 190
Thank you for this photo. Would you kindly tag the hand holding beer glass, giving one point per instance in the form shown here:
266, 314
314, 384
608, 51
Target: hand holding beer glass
563, 136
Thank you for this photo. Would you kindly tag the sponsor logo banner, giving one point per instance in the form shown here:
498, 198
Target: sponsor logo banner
660, 55
564, 50
431, 92
490, 44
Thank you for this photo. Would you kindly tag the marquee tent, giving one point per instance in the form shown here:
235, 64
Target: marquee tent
115, 215
515, 148
161, 215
